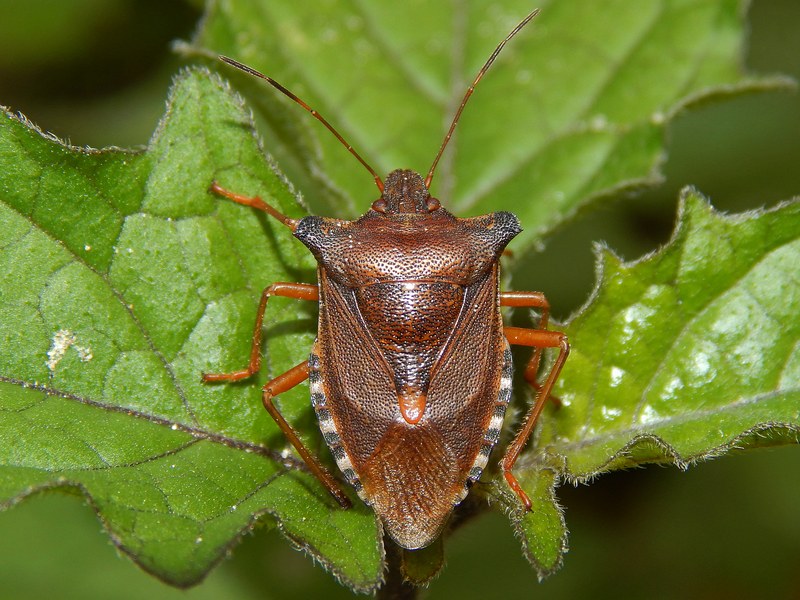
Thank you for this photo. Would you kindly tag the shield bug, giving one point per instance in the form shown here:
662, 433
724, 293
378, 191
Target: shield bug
410, 373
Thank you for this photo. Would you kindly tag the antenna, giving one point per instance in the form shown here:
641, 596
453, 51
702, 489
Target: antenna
313, 112
471, 89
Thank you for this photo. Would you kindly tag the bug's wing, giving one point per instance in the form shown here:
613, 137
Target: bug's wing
453, 442
412, 474
355, 382
471, 381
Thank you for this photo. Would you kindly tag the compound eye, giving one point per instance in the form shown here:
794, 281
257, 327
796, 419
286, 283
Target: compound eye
433, 204
379, 205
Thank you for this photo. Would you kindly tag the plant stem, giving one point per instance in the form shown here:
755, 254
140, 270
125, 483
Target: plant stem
395, 586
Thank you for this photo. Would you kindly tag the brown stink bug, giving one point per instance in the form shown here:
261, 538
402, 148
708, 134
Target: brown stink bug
410, 374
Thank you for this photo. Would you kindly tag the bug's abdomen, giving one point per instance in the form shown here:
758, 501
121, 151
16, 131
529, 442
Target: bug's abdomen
410, 321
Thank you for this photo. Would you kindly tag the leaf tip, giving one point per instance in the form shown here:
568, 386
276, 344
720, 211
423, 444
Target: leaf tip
694, 210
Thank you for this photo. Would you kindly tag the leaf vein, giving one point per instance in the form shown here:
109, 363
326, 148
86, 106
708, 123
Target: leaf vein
196, 432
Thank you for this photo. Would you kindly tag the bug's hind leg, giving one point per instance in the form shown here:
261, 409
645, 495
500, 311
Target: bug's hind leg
539, 339
283, 383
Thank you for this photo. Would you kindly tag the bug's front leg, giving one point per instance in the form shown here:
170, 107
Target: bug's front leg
254, 202
538, 339
298, 291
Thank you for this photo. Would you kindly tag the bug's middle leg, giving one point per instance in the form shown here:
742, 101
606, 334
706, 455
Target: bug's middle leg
298, 291
530, 300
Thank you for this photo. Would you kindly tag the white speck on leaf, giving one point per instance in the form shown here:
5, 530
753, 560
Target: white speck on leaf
610, 413
648, 415
62, 340
599, 123
616, 376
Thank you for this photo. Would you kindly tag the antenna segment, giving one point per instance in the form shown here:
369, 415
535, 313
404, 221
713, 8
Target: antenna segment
314, 113
471, 89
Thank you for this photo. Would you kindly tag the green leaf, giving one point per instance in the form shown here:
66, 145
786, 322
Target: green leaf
720, 371
542, 530
682, 356
122, 280
574, 109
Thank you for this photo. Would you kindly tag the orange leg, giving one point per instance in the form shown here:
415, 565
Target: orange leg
530, 300
299, 291
539, 339
295, 375
283, 383
254, 202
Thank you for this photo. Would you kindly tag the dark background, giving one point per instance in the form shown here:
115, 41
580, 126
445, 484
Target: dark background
97, 71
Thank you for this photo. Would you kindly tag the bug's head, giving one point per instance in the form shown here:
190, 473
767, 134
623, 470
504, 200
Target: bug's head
405, 192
